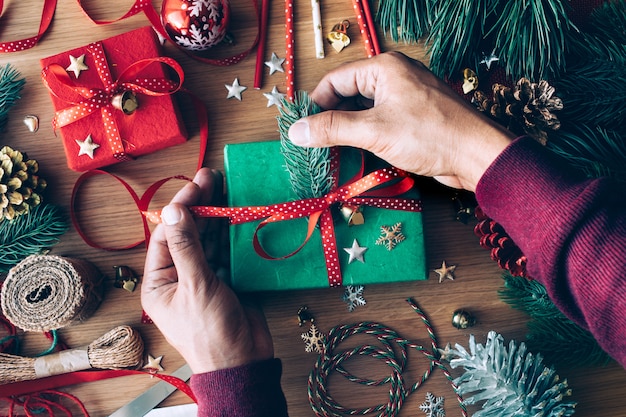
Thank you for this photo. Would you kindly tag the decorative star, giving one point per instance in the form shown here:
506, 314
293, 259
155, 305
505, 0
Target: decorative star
488, 60
445, 353
275, 63
77, 65
445, 271
356, 252
274, 97
235, 89
87, 146
154, 364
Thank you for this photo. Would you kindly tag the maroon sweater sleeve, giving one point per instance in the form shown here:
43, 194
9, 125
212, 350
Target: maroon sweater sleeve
245, 391
571, 229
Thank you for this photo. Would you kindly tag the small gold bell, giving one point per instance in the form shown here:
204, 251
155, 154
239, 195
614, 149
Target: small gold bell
304, 315
353, 215
126, 102
338, 37
462, 319
470, 81
125, 278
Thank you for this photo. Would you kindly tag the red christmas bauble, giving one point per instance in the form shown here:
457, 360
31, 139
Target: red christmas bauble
195, 25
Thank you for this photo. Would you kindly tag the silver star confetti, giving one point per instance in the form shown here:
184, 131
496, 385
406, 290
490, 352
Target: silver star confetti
87, 146
488, 60
77, 65
356, 252
235, 89
274, 98
275, 63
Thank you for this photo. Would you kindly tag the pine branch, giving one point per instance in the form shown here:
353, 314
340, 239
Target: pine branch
403, 20
531, 38
509, 382
528, 296
608, 21
456, 34
10, 87
309, 168
31, 233
564, 343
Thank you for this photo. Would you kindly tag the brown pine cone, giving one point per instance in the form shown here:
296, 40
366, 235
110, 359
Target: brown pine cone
20, 187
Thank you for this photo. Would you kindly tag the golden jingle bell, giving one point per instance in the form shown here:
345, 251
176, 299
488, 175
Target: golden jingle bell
470, 81
126, 102
338, 37
462, 319
125, 278
353, 215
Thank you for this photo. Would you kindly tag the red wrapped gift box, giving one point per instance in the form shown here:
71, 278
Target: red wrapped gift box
84, 104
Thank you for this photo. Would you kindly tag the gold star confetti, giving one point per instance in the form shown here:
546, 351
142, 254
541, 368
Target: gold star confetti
154, 364
77, 65
391, 236
87, 146
445, 271
445, 353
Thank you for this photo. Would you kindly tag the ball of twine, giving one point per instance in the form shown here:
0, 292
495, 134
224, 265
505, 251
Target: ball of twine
47, 292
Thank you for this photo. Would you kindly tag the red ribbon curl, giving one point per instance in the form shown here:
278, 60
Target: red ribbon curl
87, 100
359, 192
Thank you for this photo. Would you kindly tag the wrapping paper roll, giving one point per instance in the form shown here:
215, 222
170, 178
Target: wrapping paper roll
47, 292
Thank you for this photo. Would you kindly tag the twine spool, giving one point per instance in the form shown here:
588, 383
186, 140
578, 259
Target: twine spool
121, 348
47, 292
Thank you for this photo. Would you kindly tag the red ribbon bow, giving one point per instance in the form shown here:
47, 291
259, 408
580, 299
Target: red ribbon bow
317, 209
87, 100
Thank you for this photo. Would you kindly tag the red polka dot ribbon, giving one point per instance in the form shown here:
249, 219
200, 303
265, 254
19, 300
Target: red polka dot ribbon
46, 18
87, 100
359, 192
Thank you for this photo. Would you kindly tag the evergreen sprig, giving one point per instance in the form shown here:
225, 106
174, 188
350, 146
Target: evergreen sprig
456, 35
10, 88
558, 338
404, 20
532, 37
609, 21
511, 381
31, 233
309, 168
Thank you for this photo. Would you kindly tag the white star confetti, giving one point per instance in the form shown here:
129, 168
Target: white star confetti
445, 353
488, 60
356, 252
314, 340
274, 97
353, 297
445, 271
235, 89
433, 406
77, 65
391, 236
87, 146
275, 63
154, 364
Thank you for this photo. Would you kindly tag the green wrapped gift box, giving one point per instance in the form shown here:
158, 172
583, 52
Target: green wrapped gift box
256, 176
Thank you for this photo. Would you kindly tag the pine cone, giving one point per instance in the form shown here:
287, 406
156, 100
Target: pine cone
528, 105
20, 188
503, 250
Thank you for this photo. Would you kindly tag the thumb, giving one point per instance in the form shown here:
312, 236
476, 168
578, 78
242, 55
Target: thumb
331, 128
183, 242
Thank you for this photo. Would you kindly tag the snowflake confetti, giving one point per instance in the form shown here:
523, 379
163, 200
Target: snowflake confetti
433, 406
391, 236
353, 297
314, 340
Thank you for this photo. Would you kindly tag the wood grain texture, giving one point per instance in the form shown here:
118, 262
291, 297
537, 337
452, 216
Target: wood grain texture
111, 219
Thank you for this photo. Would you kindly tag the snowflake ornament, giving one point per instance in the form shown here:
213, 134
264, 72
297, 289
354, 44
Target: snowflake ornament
433, 406
314, 340
353, 297
391, 236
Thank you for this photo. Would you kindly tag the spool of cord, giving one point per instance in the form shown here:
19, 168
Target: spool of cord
47, 292
121, 348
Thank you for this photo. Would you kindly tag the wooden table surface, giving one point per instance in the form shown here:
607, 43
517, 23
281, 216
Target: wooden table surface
111, 219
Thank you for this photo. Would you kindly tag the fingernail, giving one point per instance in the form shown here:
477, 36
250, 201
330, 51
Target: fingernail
300, 133
170, 215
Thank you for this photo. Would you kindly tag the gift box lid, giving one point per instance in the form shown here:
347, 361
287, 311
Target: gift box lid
255, 175
155, 125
